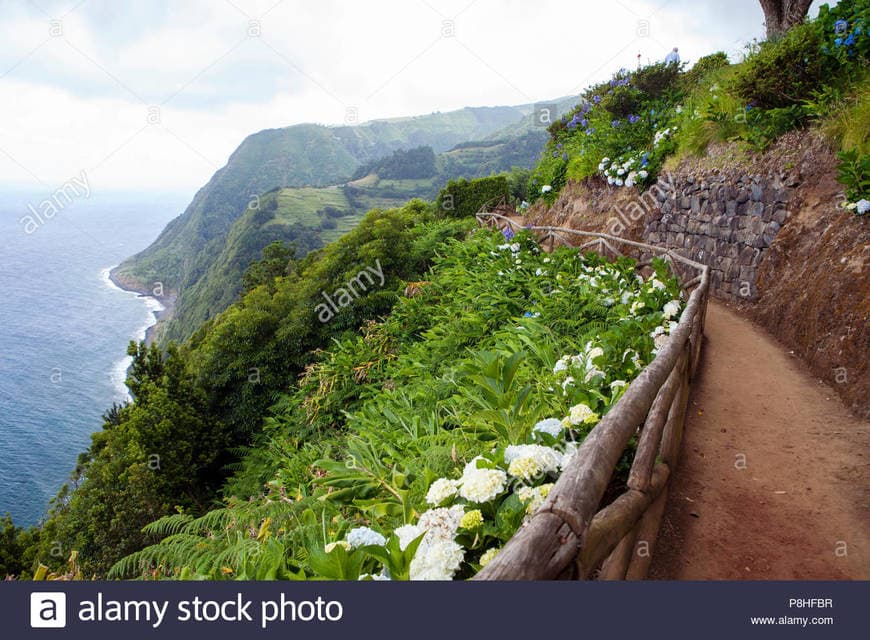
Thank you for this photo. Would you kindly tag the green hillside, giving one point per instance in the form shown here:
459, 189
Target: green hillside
301, 155
307, 217
219, 236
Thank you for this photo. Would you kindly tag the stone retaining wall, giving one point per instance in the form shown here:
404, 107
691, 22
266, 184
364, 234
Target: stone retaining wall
726, 220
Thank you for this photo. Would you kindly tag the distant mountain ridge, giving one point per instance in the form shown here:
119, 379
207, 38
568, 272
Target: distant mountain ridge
191, 256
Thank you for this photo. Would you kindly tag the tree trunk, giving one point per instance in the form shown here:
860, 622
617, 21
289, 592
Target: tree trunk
782, 15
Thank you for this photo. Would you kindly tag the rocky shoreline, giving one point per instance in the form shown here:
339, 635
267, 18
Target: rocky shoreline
128, 283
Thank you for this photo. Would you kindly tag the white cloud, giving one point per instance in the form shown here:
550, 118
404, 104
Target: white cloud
73, 103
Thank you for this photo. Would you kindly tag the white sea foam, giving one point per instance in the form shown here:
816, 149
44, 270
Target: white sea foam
118, 374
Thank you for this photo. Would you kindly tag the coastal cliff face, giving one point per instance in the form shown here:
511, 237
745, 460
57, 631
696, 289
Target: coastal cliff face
779, 245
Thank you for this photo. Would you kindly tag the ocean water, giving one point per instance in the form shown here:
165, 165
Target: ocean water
64, 329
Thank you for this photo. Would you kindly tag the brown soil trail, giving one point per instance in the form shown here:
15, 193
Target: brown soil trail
773, 481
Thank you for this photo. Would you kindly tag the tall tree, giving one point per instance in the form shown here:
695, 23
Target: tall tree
782, 15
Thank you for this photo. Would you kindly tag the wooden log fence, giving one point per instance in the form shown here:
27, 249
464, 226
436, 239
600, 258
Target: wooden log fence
569, 537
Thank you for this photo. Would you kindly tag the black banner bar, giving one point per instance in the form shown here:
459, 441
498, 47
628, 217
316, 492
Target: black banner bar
414, 611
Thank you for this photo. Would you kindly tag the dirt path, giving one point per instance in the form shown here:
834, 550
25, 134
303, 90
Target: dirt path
773, 481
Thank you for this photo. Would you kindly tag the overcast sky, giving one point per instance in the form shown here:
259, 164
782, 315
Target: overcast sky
156, 94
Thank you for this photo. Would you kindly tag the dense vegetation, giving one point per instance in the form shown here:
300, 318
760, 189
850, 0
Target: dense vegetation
436, 430
463, 198
626, 129
418, 162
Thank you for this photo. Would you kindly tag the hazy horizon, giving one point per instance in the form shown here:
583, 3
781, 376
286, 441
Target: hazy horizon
157, 96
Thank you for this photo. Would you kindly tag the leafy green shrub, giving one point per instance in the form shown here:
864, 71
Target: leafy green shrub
703, 67
656, 80
854, 174
463, 198
783, 72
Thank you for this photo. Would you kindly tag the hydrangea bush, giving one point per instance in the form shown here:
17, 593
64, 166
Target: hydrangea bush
438, 430
463, 517
622, 119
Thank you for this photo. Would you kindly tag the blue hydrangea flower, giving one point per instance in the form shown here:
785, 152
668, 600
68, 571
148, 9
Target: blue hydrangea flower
596, 99
614, 124
850, 40
590, 131
633, 118
565, 157
840, 26
508, 233
838, 42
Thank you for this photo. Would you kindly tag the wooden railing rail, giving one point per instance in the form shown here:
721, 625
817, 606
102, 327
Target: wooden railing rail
568, 537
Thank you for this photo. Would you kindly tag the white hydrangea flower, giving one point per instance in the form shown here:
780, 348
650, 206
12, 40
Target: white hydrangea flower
547, 455
593, 373
442, 523
581, 414
437, 560
561, 364
671, 309
442, 489
364, 536
481, 485
567, 382
672, 326
657, 284
618, 384
657, 332
528, 461
534, 496
636, 306
551, 426
407, 534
